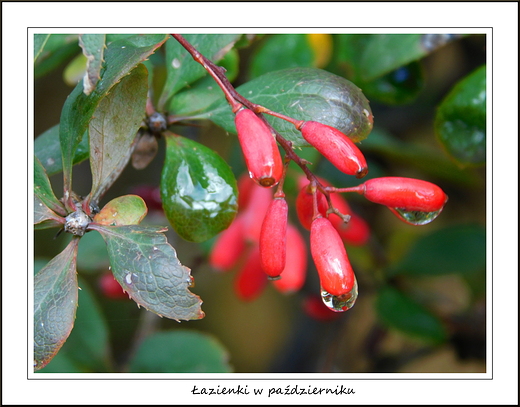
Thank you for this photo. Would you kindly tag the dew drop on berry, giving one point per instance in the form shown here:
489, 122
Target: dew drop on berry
416, 218
340, 303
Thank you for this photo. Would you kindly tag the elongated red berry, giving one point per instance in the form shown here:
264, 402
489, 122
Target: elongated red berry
261, 153
273, 238
295, 271
336, 147
251, 279
305, 206
229, 246
405, 193
330, 257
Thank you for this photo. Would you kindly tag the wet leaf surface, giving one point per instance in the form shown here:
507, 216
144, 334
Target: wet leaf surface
198, 189
304, 94
55, 302
121, 211
93, 46
148, 269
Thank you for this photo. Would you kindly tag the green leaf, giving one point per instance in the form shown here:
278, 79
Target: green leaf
57, 49
113, 129
182, 70
44, 218
454, 249
47, 149
147, 268
202, 93
87, 348
121, 57
93, 46
399, 311
180, 351
460, 123
39, 43
55, 302
303, 94
43, 189
365, 57
282, 51
198, 189
124, 210
424, 158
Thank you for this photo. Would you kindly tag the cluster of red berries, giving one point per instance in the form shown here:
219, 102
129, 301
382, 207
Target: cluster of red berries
270, 245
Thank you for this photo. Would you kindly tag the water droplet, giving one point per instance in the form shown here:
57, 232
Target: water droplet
415, 217
340, 303
176, 63
128, 278
155, 248
123, 47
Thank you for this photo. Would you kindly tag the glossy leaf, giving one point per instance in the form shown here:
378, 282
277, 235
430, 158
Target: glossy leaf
304, 94
113, 129
399, 311
460, 122
93, 46
146, 266
87, 348
180, 351
43, 189
47, 149
204, 91
55, 302
182, 70
198, 189
57, 49
121, 211
120, 57
455, 249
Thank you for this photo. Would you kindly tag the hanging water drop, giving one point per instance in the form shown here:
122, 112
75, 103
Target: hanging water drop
416, 218
340, 303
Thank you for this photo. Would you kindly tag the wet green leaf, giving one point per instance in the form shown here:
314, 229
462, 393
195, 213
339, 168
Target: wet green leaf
87, 348
198, 189
454, 249
43, 189
460, 122
57, 49
93, 46
180, 351
124, 210
282, 51
121, 57
55, 302
204, 91
147, 268
47, 149
113, 129
400, 312
303, 94
182, 70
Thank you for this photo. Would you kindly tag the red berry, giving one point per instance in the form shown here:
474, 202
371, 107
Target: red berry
229, 246
111, 288
273, 237
330, 257
260, 150
405, 193
251, 279
305, 206
336, 147
294, 273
